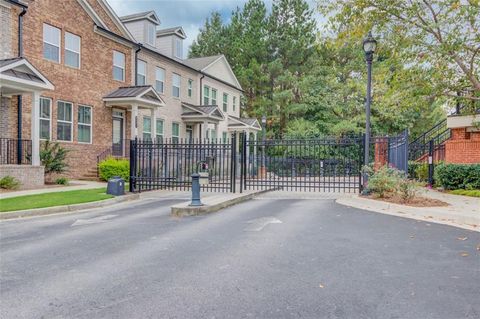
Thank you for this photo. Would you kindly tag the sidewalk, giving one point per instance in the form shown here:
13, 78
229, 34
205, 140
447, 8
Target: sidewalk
463, 211
75, 185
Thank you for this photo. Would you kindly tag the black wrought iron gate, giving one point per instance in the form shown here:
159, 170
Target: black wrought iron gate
304, 165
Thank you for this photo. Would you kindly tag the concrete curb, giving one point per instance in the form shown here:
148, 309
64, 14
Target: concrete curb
67, 208
429, 214
183, 210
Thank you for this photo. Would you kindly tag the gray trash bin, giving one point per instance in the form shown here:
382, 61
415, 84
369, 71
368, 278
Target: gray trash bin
116, 186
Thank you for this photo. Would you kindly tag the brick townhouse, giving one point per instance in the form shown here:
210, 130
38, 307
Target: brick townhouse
75, 73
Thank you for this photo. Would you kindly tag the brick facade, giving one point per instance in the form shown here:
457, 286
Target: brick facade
28, 176
463, 147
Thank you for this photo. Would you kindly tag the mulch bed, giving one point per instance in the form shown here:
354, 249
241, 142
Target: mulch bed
418, 201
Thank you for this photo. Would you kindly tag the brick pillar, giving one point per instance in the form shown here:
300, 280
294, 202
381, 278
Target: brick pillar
381, 152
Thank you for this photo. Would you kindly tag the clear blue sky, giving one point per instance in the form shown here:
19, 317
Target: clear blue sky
190, 14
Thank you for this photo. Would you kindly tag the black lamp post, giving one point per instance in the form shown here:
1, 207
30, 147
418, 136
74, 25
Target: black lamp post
369, 46
263, 171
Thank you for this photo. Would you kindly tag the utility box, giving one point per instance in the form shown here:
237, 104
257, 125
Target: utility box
116, 186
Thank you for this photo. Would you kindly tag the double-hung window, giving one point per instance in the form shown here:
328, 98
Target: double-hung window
175, 132
234, 104
176, 79
141, 72
118, 66
224, 137
45, 118
214, 97
84, 134
159, 79
225, 102
190, 87
51, 43
178, 48
206, 95
151, 34
72, 50
64, 121
159, 132
147, 128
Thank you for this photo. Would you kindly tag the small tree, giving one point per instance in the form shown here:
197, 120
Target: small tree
53, 157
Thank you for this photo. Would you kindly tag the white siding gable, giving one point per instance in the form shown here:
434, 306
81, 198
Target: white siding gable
221, 70
137, 30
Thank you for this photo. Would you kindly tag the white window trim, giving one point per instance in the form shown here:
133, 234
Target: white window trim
49, 119
143, 126
205, 95
84, 124
79, 52
224, 104
150, 27
175, 53
163, 128
216, 96
118, 66
143, 74
179, 127
234, 103
59, 43
179, 87
62, 121
157, 80
190, 88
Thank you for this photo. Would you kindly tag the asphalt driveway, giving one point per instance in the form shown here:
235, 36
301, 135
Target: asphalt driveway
267, 258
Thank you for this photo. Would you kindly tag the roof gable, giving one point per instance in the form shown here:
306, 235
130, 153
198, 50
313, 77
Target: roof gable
21, 71
144, 94
147, 15
178, 31
220, 68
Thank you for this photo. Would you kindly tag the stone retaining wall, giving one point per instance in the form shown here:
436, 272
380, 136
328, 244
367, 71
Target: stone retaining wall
29, 176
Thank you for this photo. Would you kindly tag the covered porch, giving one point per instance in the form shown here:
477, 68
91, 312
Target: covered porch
131, 99
250, 128
201, 118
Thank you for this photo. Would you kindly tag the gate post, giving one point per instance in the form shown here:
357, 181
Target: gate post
430, 163
233, 163
133, 156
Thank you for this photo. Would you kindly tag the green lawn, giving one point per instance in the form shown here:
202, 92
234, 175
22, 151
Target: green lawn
464, 192
52, 199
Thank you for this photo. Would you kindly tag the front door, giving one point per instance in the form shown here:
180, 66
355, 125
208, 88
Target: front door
117, 137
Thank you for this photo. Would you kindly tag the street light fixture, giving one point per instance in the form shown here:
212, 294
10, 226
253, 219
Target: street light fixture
369, 46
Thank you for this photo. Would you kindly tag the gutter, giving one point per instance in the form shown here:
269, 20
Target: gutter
136, 65
17, 3
119, 37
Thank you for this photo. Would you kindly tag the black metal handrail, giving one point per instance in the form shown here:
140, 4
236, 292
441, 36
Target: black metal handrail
9, 151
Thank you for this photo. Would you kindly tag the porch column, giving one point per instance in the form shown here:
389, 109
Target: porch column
216, 130
204, 129
35, 129
255, 146
247, 153
153, 116
134, 124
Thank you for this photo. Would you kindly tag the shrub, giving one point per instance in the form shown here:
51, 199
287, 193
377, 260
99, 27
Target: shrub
114, 167
458, 176
407, 189
383, 181
9, 182
62, 181
53, 156
421, 172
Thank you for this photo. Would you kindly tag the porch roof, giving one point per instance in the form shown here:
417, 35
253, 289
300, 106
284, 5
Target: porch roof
243, 123
142, 96
18, 75
201, 112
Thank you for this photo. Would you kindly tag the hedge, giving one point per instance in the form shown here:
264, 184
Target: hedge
458, 176
114, 167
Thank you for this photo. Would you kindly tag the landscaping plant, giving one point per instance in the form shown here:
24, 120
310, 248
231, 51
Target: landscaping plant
53, 157
383, 181
458, 176
62, 181
114, 167
9, 182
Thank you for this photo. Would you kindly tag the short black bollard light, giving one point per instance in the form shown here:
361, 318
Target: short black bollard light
196, 190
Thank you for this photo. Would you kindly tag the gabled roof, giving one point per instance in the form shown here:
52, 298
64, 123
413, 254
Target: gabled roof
145, 95
201, 63
243, 123
202, 111
98, 20
178, 31
18, 73
212, 65
149, 15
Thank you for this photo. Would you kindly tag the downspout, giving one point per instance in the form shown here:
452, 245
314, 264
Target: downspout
19, 97
136, 63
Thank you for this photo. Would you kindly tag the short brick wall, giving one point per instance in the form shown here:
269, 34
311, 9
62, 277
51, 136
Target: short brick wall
463, 147
29, 176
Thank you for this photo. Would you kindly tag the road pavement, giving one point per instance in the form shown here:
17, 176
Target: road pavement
266, 258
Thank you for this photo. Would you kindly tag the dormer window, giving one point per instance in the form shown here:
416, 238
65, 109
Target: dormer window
178, 48
151, 34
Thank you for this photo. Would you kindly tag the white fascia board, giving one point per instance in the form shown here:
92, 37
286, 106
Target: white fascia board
224, 59
111, 13
91, 12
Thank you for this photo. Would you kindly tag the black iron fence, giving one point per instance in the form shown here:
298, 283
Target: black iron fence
14, 151
169, 164
320, 164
